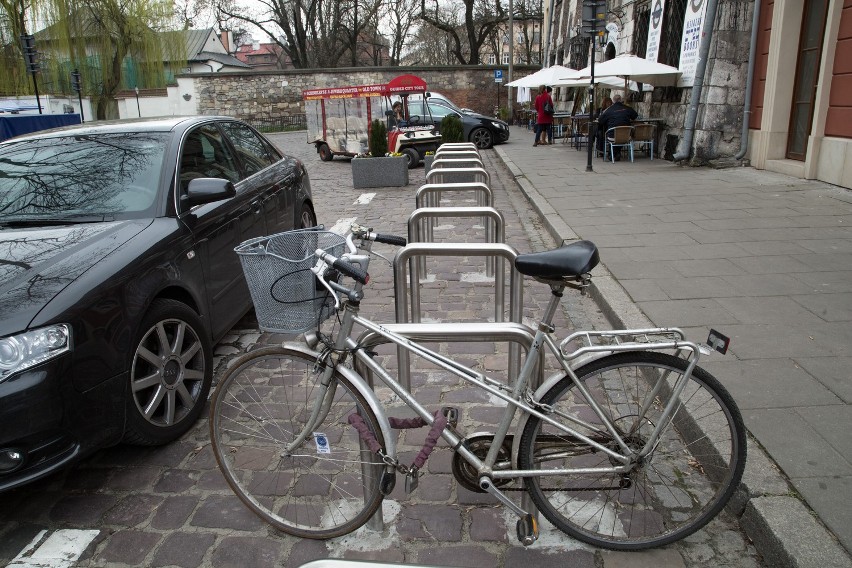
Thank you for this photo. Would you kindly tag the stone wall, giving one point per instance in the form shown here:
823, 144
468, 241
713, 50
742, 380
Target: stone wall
273, 94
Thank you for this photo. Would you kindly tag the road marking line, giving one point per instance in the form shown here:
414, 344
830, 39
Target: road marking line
342, 226
364, 198
60, 550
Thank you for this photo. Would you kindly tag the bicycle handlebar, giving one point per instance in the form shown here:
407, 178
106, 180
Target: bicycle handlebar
343, 266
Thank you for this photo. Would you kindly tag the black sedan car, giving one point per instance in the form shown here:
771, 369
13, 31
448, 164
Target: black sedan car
482, 130
118, 274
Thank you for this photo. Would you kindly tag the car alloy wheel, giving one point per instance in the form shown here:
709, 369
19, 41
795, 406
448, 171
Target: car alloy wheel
483, 138
170, 374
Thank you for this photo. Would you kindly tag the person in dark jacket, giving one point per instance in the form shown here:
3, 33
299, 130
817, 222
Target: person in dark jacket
619, 114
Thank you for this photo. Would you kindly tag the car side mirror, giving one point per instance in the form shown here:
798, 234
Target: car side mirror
388, 113
206, 190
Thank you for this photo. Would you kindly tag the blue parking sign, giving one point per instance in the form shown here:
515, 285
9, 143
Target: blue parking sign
498, 75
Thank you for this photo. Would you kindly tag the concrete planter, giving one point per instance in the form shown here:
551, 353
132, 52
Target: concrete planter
427, 162
380, 172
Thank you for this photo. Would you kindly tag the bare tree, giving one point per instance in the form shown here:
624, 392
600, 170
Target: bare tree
480, 19
430, 46
312, 33
400, 21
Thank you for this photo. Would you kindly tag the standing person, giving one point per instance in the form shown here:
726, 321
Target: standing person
619, 114
543, 118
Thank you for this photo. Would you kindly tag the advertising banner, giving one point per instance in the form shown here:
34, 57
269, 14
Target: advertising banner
693, 19
655, 25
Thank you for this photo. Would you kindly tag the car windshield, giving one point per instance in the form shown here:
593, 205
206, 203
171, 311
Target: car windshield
81, 177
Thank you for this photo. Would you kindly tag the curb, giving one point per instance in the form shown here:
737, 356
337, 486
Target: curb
782, 527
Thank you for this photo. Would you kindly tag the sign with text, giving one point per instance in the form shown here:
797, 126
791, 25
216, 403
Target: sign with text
498, 75
693, 20
655, 26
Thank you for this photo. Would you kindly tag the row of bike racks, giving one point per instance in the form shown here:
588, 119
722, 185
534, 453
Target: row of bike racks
457, 168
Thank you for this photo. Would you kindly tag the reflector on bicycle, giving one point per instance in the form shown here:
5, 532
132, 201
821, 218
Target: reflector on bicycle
718, 341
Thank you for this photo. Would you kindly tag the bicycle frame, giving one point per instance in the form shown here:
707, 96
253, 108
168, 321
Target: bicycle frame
520, 398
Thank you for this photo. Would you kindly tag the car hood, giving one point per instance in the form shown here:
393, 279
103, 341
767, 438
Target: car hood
36, 264
483, 117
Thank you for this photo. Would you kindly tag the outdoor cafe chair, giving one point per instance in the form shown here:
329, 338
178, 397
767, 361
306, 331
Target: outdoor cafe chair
644, 135
618, 136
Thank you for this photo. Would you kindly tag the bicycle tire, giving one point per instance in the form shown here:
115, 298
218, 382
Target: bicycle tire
322, 490
680, 486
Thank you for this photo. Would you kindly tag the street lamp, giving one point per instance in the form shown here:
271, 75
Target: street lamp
138, 110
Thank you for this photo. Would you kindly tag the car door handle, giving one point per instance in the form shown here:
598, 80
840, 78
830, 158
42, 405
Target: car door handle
257, 205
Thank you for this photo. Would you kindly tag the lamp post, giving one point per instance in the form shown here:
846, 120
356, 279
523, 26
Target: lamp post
138, 110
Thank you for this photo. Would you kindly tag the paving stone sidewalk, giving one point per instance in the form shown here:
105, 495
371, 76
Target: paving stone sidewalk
170, 506
764, 258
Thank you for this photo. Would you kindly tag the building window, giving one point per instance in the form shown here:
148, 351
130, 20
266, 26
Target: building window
579, 49
670, 43
492, 59
642, 19
505, 58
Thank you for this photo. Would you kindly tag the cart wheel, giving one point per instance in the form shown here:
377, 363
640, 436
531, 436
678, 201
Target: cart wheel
412, 155
325, 153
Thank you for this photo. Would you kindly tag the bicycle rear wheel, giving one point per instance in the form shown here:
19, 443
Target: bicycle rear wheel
326, 487
675, 490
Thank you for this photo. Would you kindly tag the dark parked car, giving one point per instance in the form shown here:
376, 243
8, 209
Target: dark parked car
482, 130
118, 274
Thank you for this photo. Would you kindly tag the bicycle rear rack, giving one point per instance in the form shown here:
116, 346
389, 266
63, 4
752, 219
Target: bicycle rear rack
617, 340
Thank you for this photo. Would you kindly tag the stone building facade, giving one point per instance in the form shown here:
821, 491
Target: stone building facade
798, 114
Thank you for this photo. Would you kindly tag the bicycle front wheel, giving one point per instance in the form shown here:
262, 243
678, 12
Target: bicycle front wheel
327, 486
685, 480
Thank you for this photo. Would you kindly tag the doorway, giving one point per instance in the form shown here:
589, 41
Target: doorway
807, 77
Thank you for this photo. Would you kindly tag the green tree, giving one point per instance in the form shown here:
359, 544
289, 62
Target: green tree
116, 44
13, 23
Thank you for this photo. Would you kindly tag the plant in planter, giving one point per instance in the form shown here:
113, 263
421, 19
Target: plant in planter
378, 169
452, 129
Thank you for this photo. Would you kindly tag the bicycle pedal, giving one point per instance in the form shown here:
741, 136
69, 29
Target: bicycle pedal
527, 528
452, 413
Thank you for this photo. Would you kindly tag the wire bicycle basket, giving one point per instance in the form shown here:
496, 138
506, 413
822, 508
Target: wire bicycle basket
287, 297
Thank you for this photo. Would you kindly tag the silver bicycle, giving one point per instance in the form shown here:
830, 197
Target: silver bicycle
630, 445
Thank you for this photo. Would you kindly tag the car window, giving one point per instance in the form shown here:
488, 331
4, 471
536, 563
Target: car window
81, 176
252, 150
205, 155
439, 111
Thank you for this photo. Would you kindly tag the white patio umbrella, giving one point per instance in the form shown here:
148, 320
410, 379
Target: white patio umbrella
544, 76
610, 82
633, 68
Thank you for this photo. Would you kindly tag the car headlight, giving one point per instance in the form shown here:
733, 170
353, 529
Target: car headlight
18, 352
499, 125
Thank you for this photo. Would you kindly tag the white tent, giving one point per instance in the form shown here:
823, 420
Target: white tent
544, 76
606, 82
631, 67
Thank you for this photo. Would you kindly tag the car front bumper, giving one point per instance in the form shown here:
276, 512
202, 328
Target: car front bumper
49, 424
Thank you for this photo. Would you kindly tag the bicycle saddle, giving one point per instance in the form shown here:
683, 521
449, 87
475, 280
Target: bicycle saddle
570, 260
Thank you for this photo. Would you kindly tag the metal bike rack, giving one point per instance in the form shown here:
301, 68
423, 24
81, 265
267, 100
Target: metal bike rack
457, 153
429, 195
497, 251
454, 161
417, 231
446, 146
436, 175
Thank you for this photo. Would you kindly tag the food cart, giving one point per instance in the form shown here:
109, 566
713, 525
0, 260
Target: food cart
339, 119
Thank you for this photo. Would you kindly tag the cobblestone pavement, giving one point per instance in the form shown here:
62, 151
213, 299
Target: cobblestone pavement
170, 506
